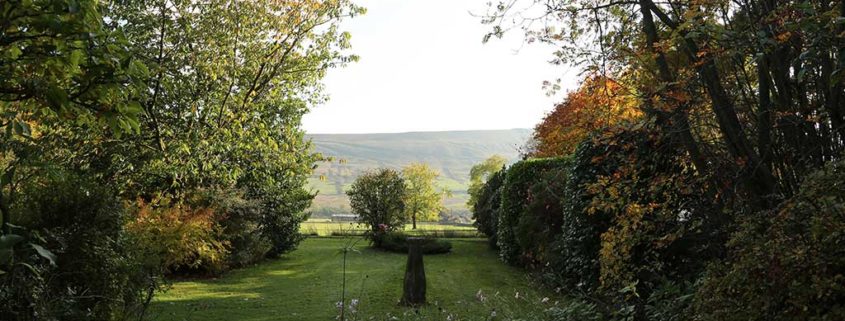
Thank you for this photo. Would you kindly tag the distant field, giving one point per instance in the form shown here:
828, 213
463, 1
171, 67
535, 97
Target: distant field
325, 227
451, 153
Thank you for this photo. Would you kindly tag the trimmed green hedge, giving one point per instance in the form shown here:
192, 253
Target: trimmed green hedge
486, 210
398, 242
519, 179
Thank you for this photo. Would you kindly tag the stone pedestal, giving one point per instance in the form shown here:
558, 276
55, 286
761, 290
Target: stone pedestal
413, 290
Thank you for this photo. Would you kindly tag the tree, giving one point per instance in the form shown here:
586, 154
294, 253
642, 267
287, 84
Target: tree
755, 85
598, 103
378, 199
480, 173
230, 82
58, 66
423, 198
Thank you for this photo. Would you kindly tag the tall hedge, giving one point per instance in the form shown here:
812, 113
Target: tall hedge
787, 264
515, 200
574, 261
486, 209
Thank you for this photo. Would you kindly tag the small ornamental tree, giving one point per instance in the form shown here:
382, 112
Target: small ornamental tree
377, 198
423, 198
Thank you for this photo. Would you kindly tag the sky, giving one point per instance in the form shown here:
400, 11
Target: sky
423, 67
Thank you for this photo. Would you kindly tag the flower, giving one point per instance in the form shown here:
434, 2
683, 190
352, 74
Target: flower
544, 300
480, 296
353, 305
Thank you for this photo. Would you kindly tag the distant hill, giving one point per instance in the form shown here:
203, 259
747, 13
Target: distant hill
452, 153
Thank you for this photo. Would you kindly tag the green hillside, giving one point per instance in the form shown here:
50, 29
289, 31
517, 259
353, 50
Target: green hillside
452, 153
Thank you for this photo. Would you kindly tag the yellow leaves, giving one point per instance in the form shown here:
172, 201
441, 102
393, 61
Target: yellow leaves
783, 37
598, 103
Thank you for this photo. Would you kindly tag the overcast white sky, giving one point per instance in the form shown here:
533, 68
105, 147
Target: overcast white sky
423, 68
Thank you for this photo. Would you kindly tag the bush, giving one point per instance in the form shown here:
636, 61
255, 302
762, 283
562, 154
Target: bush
97, 275
576, 310
282, 212
670, 301
785, 264
485, 210
377, 199
179, 238
239, 220
515, 197
398, 242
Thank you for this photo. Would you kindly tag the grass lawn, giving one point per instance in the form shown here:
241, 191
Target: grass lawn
306, 284
325, 227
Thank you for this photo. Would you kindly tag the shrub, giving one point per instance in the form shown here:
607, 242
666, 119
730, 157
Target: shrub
576, 310
485, 210
282, 212
398, 242
180, 238
239, 221
515, 198
377, 199
785, 264
97, 275
670, 301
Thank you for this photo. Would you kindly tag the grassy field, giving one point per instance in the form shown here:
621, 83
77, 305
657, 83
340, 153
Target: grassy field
306, 285
318, 227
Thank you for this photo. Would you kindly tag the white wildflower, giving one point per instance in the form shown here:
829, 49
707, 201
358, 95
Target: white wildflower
480, 296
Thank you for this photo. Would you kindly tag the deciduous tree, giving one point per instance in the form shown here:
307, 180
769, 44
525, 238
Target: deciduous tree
423, 198
480, 173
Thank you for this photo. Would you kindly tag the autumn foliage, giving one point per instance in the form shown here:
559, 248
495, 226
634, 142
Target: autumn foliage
599, 102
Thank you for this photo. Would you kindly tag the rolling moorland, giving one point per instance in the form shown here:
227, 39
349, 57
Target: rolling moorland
452, 153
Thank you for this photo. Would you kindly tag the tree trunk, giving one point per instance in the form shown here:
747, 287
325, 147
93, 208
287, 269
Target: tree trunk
413, 290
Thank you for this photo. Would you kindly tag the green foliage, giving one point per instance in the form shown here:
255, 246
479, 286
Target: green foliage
542, 218
574, 257
515, 199
59, 65
480, 173
282, 214
576, 310
670, 301
239, 221
398, 242
784, 264
423, 198
98, 272
377, 198
485, 211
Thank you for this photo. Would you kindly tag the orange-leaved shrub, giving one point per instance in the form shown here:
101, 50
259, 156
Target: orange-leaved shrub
181, 238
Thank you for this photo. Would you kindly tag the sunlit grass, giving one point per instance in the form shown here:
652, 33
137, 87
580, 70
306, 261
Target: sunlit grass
306, 285
324, 227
